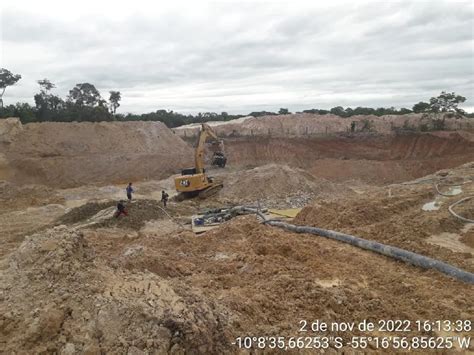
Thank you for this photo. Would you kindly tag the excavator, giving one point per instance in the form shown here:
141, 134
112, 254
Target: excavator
194, 181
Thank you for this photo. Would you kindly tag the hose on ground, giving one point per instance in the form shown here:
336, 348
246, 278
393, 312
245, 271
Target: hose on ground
450, 209
171, 217
387, 250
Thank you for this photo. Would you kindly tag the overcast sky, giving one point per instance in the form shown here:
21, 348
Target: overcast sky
242, 56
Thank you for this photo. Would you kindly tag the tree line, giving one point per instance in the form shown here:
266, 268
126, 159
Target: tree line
85, 103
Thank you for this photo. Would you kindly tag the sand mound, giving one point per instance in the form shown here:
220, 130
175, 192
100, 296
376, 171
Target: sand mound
272, 183
101, 214
268, 279
71, 154
303, 124
57, 298
396, 215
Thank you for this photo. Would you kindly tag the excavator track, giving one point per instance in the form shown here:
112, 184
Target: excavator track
210, 191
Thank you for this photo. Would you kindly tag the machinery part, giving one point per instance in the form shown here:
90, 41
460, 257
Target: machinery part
450, 209
218, 159
210, 191
387, 250
195, 181
206, 132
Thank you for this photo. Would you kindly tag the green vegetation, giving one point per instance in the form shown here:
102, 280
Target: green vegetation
85, 103
348, 112
7, 79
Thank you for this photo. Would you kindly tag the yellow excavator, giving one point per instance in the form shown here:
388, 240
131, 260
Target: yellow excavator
194, 181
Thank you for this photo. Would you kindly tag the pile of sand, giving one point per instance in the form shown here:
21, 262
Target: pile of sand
57, 297
71, 154
268, 279
102, 214
272, 183
303, 124
395, 216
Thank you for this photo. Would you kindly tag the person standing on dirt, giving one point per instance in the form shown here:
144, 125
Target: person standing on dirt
121, 209
129, 190
164, 197
353, 126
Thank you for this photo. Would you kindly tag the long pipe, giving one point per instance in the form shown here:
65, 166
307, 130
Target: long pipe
387, 250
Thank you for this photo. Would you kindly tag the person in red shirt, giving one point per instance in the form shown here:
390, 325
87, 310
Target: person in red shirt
121, 210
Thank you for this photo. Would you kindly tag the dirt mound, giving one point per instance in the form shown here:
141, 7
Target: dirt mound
304, 124
84, 212
102, 214
71, 154
139, 212
407, 216
272, 183
9, 128
268, 279
56, 297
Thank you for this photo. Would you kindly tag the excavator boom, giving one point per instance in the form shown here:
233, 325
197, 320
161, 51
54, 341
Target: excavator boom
206, 132
194, 181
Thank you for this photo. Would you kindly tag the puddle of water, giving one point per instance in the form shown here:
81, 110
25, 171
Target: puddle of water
454, 190
431, 206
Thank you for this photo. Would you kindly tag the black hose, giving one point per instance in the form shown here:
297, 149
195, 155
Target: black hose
387, 250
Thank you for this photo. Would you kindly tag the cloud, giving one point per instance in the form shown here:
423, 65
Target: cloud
239, 57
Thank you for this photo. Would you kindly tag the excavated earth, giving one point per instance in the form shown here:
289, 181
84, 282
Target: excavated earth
76, 280
372, 159
73, 154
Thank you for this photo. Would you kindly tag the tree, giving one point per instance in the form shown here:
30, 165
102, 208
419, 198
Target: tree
404, 111
47, 104
85, 94
22, 110
45, 85
338, 111
7, 79
447, 102
441, 107
283, 111
114, 99
421, 107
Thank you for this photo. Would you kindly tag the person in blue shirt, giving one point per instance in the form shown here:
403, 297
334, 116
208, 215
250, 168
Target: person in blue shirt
129, 190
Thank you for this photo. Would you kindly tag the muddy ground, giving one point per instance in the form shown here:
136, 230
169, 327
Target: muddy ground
76, 280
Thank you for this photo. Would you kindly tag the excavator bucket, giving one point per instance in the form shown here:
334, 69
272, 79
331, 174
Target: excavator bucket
219, 159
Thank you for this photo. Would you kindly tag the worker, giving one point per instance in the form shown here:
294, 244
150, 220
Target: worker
121, 209
164, 197
129, 190
353, 126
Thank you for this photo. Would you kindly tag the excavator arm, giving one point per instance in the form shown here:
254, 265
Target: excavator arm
206, 132
194, 181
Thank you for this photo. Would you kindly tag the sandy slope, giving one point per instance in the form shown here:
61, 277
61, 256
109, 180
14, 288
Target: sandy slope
72, 154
